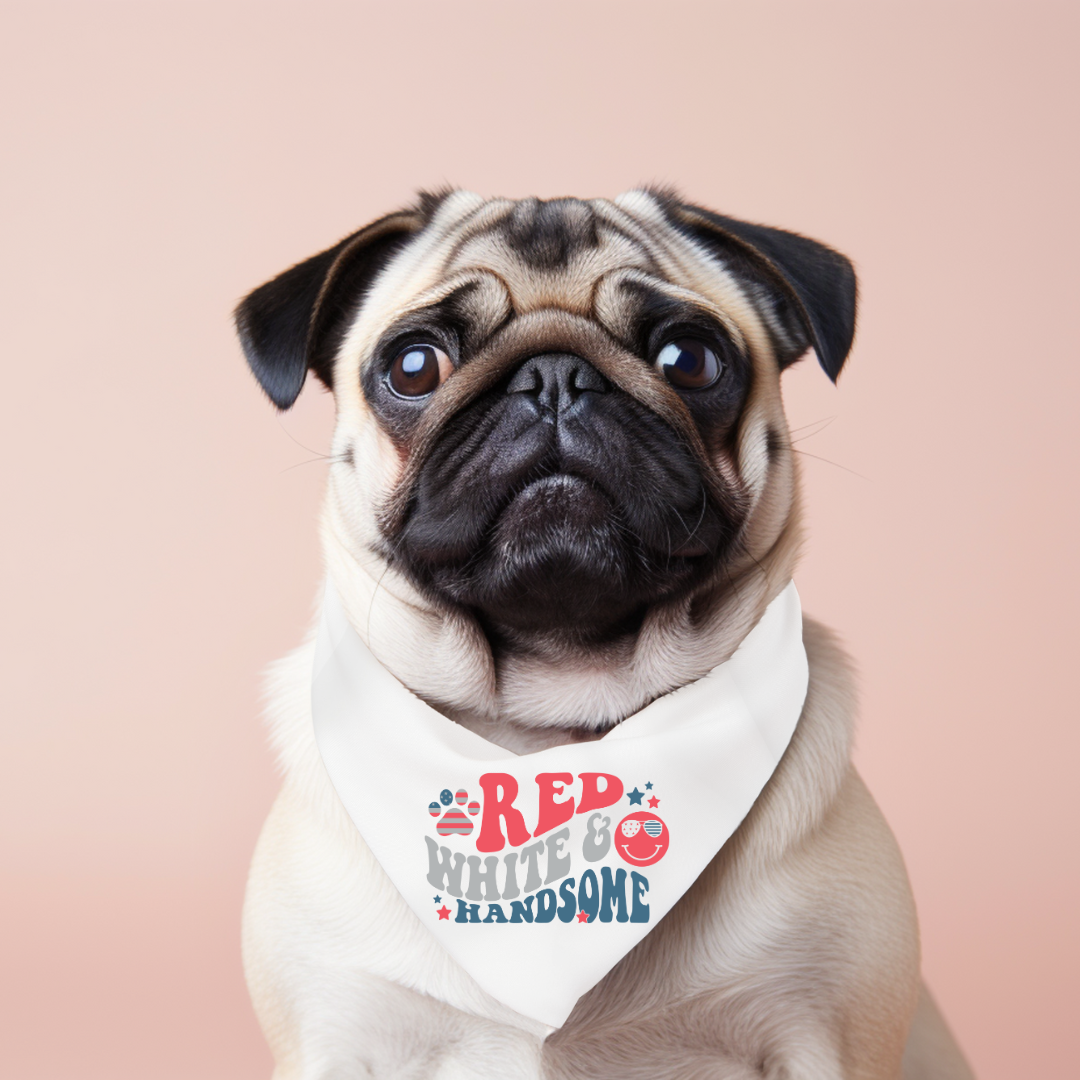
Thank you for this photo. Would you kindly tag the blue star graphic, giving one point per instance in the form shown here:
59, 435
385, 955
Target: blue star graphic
438, 899
635, 796
648, 786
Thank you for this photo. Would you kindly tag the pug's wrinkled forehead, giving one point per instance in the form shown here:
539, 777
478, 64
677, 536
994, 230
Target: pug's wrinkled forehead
564, 254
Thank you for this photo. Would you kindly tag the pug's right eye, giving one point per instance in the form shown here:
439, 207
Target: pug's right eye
418, 370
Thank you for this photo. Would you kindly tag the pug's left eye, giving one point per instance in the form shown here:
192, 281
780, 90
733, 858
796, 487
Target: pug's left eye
689, 364
418, 370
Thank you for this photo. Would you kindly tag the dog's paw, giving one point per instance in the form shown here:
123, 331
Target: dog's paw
454, 822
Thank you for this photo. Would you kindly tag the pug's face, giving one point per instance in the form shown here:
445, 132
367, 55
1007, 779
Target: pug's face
556, 416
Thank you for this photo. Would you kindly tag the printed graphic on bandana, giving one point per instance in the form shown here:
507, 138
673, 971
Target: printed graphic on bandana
579, 859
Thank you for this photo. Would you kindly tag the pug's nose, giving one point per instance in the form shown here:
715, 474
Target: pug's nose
557, 381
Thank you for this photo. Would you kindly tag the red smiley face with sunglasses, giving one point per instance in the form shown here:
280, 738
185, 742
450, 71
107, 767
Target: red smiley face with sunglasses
642, 838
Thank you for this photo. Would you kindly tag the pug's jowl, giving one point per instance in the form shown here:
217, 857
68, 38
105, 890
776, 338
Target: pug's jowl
561, 489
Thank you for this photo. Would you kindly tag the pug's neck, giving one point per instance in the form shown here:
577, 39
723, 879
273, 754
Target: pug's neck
530, 694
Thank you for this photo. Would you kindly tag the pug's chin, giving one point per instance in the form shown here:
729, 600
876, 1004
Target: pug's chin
558, 561
559, 505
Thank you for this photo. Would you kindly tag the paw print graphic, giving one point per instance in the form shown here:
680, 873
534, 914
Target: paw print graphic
454, 821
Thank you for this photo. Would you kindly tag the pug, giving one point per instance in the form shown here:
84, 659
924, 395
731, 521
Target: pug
562, 486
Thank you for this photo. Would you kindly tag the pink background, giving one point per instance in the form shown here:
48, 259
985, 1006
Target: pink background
162, 159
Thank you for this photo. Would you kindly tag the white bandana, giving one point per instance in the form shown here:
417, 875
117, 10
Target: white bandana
538, 873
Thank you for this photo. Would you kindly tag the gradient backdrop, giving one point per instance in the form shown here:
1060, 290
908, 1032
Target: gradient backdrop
163, 158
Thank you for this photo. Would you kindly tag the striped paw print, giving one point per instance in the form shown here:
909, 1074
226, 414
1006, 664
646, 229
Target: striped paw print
453, 821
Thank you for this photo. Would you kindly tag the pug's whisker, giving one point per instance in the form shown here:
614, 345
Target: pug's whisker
818, 425
371, 602
836, 464
303, 446
333, 459
701, 517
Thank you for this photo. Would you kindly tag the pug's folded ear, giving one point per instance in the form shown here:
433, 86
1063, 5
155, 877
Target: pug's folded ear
814, 287
296, 321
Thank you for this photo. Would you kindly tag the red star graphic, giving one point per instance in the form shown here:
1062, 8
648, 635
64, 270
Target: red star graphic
582, 916
654, 802
443, 912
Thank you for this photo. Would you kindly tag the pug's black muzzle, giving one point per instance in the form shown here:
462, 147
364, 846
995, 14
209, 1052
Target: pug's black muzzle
557, 501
